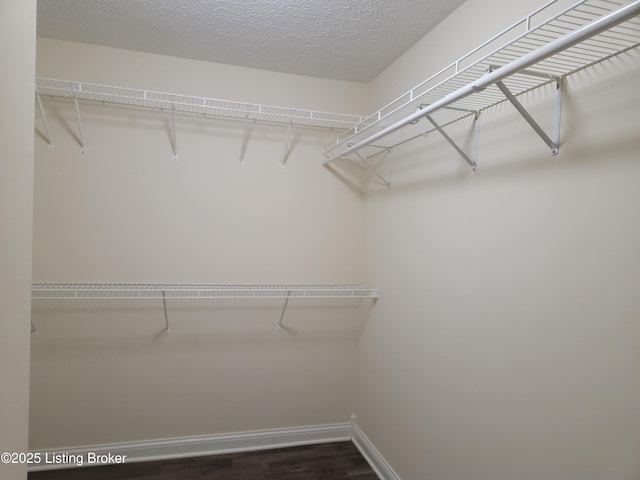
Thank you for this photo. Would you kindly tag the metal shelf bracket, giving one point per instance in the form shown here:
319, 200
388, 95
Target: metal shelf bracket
558, 113
284, 309
44, 120
285, 154
471, 159
174, 148
366, 165
167, 330
245, 139
80, 129
553, 143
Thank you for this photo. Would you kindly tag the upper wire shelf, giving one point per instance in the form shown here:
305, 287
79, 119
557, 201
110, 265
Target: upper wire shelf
192, 105
376, 133
107, 291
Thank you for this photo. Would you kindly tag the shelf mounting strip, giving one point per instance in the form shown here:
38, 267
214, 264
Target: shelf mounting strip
588, 32
167, 292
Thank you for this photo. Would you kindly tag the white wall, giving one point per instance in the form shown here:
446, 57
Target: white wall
17, 35
505, 343
126, 212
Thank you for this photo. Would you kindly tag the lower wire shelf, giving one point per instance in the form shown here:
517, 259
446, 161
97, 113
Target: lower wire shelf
113, 291
146, 291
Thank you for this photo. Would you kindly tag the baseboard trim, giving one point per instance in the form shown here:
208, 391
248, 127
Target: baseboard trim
182, 447
371, 454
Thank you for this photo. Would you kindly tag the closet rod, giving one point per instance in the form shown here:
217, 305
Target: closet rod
552, 48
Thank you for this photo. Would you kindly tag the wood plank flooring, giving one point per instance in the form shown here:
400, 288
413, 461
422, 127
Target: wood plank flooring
329, 461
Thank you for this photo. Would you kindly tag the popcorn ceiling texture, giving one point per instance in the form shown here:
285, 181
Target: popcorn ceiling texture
339, 39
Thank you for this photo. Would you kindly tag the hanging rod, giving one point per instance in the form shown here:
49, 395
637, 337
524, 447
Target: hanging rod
581, 35
108, 291
192, 105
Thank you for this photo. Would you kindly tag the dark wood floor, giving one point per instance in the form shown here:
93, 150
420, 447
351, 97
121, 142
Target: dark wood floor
329, 461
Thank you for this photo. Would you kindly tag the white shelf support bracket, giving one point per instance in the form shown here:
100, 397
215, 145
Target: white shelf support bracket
467, 158
44, 120
558, 113
167, 330
285, 154
80, 129
284, 309
245, 140
373, 170
552, 143
174, 147
34, 330
476, 140
387, 152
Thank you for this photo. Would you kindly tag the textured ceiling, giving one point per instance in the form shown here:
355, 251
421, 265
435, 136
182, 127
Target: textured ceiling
340, 39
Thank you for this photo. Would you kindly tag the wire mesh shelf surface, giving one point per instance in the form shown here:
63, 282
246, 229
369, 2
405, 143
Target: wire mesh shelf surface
194, 106
106, 291
533, 32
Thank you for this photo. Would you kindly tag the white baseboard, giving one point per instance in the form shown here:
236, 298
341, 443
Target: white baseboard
190, 446
371, 454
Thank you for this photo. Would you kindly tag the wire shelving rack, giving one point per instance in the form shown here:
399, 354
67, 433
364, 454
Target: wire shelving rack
192, 105
541, 48
60, 292
109, 291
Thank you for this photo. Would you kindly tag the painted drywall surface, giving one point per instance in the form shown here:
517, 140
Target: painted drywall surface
17, 28
125, 211
505, 341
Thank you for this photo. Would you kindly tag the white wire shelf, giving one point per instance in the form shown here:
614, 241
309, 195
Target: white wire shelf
107, 291
460, 89
44, 292
192, 105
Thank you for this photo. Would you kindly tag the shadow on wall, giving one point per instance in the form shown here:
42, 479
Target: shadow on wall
221, 324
